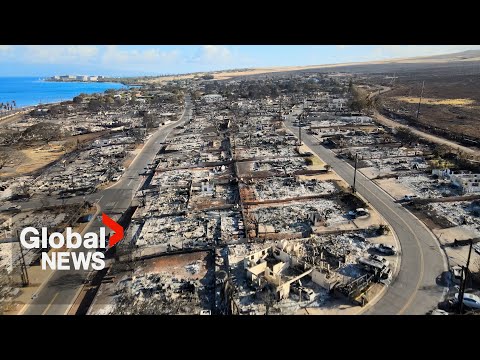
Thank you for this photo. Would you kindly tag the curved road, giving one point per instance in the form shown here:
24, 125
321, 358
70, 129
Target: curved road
415, 289
56, 295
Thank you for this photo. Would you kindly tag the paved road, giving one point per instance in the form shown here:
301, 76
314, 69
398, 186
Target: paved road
415, 290
127, 185
58, 293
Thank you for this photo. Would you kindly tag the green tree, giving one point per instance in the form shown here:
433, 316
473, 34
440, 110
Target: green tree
196, 95
360, 99
77, 99
94, 105
149, 121
406, 135
109, 100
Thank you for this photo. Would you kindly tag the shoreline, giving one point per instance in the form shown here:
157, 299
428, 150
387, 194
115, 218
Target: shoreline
122, 80
67, 99
110, 81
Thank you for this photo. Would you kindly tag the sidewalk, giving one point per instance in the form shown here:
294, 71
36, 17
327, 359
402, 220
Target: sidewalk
38, 278
377, 290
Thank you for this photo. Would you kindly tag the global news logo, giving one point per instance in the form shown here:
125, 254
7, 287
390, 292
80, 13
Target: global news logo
32, 238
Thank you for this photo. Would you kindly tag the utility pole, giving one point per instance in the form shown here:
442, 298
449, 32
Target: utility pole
280, 110
299, 134
355, 173
465, 271
23, 265
420, 100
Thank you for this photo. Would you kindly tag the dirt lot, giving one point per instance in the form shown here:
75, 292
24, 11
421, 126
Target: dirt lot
129, 291
22, 161
182, 266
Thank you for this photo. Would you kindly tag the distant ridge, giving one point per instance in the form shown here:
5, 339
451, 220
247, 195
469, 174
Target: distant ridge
459, 59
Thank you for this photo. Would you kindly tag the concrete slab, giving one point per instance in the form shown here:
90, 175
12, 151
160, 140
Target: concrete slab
393, 188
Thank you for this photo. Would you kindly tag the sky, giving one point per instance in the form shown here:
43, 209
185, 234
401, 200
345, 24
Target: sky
137, 60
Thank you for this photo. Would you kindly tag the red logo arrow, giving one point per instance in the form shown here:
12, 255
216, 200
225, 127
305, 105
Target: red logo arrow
116, 227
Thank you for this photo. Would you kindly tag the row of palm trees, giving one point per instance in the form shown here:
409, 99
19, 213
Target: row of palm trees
8, 105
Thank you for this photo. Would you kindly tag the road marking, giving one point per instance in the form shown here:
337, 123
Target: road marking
422, 265
75, 297
47, 280
44, 283
51, 303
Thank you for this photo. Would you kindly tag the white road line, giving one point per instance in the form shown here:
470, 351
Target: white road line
421, 277
51, 303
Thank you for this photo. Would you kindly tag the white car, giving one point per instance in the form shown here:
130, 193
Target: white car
380, 259
358, 212
470, 300
438, 312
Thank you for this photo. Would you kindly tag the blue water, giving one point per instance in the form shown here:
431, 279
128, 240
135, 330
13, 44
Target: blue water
28, 91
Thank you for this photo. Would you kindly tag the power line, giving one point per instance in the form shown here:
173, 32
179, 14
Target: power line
355, 173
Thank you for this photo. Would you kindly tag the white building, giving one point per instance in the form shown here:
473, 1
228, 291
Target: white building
207, 188
212, 98
442, 173
469, 183
337, 104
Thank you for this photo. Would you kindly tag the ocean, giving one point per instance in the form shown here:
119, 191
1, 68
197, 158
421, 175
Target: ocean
27, 91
